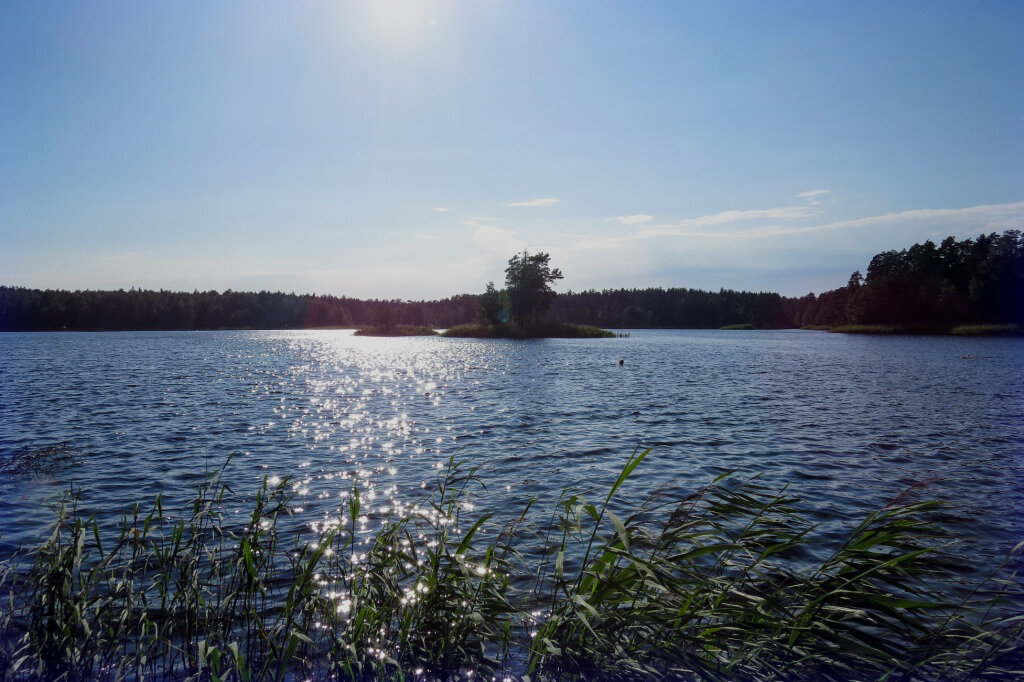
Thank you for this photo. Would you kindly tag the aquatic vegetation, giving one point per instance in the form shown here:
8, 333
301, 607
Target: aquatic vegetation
869, 329
717, 586
544, 330
987, 330
731, 327
396, 330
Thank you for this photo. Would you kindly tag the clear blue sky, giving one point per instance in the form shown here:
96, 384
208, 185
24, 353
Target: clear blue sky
406, 149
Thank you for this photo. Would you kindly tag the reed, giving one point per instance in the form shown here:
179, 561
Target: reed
717, 586
987, 330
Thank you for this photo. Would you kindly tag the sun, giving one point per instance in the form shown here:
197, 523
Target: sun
400, 22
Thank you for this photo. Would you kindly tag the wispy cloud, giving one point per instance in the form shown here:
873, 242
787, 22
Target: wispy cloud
443, 209
982, 217
546, 201
778, 223
495, 239
791, 255
636, 219
813, 194
724, 217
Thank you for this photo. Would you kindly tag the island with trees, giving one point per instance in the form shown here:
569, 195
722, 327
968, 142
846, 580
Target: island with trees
519, 310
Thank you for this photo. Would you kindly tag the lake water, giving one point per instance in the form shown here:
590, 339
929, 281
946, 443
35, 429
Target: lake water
848, 421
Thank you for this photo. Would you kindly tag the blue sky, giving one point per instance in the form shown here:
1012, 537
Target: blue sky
407, 148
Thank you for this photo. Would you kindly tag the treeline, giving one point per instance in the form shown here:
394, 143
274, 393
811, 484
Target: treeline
138, 309
671, 308
24, 309
969, 281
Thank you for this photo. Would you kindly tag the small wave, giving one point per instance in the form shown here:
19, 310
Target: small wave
30, 461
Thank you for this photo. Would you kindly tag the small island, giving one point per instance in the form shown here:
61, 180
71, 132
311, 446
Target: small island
389, 329
552, 330
515, 312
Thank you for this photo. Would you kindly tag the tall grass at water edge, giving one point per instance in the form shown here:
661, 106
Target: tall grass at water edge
717, 586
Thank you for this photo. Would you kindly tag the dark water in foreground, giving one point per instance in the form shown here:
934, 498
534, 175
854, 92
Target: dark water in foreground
849, 421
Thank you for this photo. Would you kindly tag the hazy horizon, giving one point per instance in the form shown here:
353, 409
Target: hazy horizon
407, 148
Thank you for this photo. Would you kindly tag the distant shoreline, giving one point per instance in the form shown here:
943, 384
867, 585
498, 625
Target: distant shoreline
918, 330
553, 330
981, 330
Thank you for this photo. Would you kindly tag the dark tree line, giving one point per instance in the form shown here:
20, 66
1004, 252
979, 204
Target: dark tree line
36, 310
965, 281
670, 308
32, 309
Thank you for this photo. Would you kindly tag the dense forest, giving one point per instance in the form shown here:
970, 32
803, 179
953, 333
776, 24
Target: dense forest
970, 281
137, 309
925, 286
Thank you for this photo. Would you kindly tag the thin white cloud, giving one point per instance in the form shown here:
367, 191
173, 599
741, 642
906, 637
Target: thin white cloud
443, 209
992, 217
985, 217
813, 194
546, 201
636, 219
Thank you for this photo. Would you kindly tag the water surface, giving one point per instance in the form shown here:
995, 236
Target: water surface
850, 422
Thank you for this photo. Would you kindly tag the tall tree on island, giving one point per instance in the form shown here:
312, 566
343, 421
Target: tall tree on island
491, 305
528, 281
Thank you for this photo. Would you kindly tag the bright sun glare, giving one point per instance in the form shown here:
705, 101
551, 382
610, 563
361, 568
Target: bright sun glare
400, 22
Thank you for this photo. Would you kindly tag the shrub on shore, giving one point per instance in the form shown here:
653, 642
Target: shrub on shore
716, 586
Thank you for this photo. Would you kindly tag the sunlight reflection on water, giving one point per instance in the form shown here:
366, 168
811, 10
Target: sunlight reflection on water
850, 422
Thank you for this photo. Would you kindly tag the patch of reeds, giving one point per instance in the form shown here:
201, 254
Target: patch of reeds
737, 327
543, 330
866, 329
396, 330
718, 586
987, 330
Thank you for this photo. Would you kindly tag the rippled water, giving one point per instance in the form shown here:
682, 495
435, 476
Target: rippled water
849, 421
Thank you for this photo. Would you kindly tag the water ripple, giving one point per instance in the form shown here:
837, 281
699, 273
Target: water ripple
849, 422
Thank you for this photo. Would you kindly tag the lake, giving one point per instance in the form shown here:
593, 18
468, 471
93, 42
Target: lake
849, 422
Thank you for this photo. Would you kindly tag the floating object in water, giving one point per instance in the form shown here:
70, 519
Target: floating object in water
622, 361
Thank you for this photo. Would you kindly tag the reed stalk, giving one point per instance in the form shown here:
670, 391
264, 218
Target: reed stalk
721, 585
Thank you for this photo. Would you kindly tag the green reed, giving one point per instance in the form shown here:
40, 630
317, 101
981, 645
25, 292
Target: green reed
717, 586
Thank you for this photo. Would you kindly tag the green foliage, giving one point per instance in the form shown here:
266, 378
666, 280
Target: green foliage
987, 330
32, 309
396, 330
528, 281
481, 331
742, 327
550, 330
492, 306
866, 329
717, 586
958, 282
